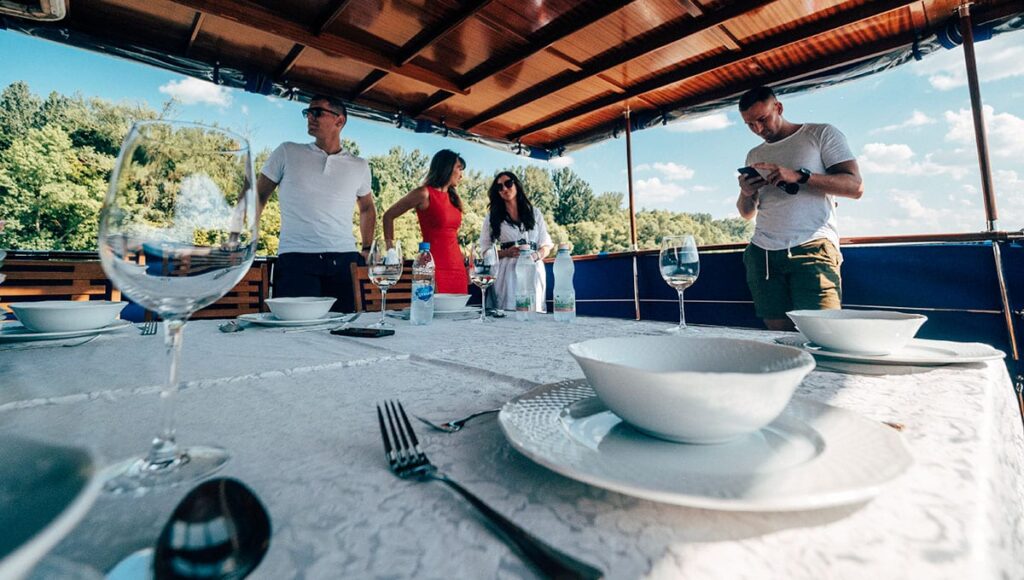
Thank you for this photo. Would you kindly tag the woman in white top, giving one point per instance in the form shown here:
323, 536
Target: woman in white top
514, 221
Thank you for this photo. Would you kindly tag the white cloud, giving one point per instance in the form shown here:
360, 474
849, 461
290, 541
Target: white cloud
899, 159
245, 109
911, 212
1005, 131
277, 102
191, 91
999, 58
669, 170
658, 192
712, 122
560, 162
917, 119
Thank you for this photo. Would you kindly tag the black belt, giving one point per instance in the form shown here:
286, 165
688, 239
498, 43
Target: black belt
507, 245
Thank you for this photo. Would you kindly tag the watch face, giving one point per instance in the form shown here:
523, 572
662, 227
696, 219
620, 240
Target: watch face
805, 174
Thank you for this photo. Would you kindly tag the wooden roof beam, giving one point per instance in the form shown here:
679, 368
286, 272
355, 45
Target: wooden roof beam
660, 37
753, 49
368, 82
429, 36
289, 61
330, 16
556, 30
252, 15
197, 23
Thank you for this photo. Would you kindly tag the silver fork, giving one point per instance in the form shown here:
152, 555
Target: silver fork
332, 326
456, 425
149, 328
408, 461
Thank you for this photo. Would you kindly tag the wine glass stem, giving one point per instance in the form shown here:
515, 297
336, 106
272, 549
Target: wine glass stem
165, 448
483, 303
682, 315
383, 303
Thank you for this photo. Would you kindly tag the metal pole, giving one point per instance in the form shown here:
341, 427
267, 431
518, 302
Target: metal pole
632, 215
967, 33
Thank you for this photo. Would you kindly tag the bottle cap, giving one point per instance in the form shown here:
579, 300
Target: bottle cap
424, 246
563, 246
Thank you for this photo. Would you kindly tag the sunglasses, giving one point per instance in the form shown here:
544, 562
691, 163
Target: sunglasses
507, 183
317, 112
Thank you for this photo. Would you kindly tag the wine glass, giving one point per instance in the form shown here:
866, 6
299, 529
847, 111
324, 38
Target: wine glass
680, 267
177, 231
385, 267
483, 265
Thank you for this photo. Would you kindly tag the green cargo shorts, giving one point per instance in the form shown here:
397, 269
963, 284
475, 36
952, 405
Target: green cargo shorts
805, 277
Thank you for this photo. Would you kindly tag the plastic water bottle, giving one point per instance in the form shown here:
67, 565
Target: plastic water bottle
525, 270
421, 311
565, 294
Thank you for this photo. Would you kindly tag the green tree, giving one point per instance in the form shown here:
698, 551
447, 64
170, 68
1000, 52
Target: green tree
573, 197
18, 108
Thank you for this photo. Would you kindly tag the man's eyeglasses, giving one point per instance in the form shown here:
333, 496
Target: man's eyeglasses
317, 112
508, 183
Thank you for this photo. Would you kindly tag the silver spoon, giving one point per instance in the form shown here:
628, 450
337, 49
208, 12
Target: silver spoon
219, 531
231, 326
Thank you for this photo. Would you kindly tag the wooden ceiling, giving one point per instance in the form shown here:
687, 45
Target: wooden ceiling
540, 72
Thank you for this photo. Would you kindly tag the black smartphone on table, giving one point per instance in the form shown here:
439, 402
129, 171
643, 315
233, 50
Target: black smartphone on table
363, 332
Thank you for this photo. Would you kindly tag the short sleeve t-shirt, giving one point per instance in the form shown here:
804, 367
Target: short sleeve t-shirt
317, 193
784, 220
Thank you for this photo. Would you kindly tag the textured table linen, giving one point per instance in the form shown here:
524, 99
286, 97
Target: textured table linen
296, 411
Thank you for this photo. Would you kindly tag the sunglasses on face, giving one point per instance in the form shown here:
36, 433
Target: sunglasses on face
508, 183
317, 112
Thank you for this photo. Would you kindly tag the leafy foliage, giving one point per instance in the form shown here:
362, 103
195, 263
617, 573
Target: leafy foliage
56, 155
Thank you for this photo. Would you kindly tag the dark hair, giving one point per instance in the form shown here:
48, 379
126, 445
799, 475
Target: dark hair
755, 95
441, 168
334, 102
499, 212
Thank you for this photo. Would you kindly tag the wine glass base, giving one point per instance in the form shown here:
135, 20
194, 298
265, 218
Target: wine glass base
190, 465
676, 329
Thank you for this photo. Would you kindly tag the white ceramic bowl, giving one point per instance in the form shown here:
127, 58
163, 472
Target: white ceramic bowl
692, 389
300, 308
66, 315
450, 301
868, 332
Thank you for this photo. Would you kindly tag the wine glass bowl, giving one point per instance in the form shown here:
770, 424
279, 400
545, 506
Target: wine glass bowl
483, 266
384, 267
177, 231
679, 264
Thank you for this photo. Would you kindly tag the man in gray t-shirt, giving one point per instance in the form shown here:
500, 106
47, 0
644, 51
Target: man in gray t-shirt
792, 262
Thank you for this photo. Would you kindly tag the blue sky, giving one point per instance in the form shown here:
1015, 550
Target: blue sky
910, 128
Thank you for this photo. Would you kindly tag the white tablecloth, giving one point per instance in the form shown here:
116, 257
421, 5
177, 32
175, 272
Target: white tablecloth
297, 413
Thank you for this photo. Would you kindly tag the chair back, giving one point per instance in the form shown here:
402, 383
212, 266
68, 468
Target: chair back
37, 280
367, 296
245, 298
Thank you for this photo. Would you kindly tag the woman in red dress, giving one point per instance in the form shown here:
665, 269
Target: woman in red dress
439, 211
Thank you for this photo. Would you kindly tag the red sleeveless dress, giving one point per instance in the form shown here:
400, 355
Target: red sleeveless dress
439, 225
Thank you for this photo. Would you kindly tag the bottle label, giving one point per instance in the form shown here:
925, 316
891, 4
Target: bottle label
423, 292
523, 304
565, 304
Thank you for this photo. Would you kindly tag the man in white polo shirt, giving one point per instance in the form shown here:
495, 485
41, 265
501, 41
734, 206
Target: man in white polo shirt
319, 187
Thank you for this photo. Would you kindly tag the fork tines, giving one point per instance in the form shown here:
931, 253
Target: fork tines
149, 328
401, 447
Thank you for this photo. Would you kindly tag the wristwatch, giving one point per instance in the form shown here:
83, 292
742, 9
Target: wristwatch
805, 174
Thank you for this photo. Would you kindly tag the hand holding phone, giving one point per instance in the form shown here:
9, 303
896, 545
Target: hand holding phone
363, 332
751, 173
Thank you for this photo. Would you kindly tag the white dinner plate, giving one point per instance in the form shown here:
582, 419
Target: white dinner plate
466, 312
15, 332
45, 490
813, 456
268, 319
918, 351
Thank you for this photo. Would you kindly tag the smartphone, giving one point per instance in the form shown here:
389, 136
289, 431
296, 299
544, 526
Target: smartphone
749, 172
363, 332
